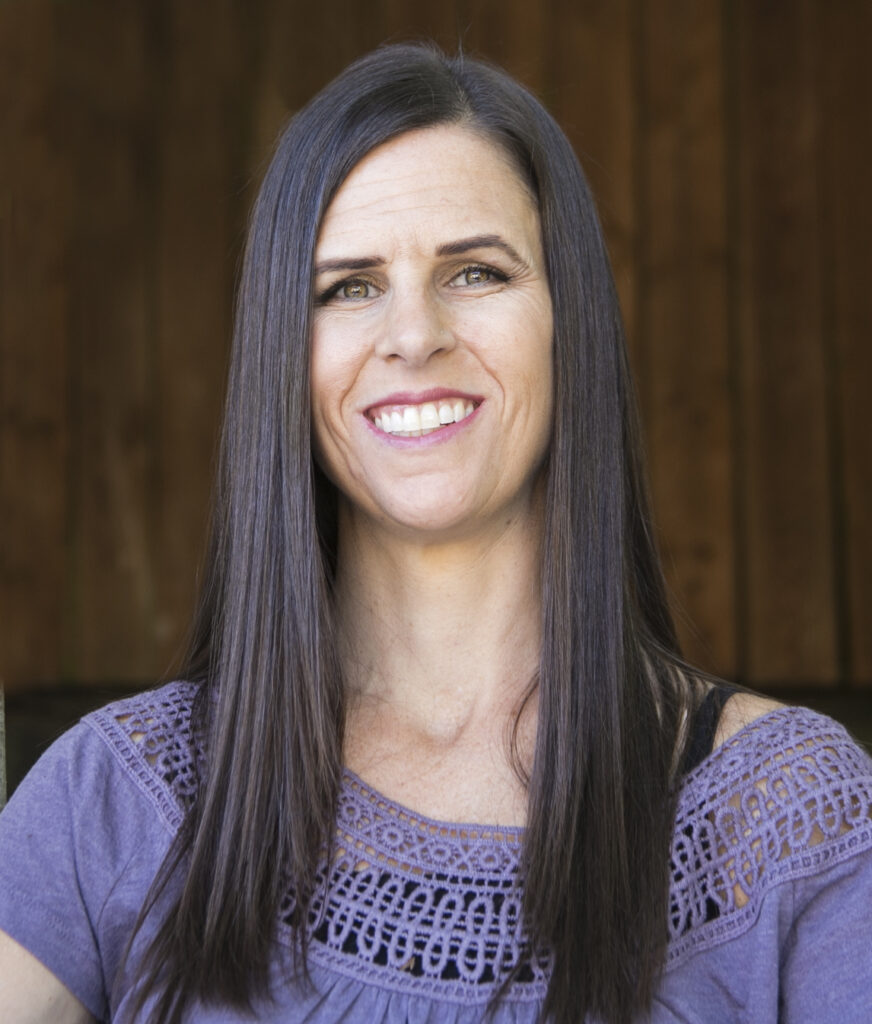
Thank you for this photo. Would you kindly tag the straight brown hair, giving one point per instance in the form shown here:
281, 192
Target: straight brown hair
612, 693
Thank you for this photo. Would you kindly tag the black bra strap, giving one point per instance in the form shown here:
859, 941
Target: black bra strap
704, 726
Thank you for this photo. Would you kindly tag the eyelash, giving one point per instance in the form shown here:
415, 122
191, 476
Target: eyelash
493, 275
492, 272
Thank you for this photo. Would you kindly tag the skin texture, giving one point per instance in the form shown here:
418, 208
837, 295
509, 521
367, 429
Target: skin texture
30, 994
740, 710
419, 320
438, 589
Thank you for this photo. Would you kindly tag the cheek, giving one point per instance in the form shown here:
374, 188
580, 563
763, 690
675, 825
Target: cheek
520, 358
323, 381
337, 358
331, 375
537, 369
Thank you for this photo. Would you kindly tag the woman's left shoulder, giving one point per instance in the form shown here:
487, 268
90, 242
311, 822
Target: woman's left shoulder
787, 742
783, 801
740, 710
785, 783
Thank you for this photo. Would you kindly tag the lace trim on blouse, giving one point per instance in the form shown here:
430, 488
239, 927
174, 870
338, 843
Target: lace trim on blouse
425, 906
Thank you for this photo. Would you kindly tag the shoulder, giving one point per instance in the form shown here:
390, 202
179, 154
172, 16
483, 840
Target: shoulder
85, 832
153, 738
139, 746
777, 764
742, 709
787, 795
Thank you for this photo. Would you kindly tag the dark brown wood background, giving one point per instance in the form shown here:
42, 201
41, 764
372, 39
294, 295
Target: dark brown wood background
729, 146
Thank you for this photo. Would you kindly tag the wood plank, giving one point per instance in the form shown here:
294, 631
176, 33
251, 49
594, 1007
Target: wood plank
785, 445
846, 74
305, 47
33, 351
106, 74
202, 115
514, 36
397, 21
593, 94
683, 319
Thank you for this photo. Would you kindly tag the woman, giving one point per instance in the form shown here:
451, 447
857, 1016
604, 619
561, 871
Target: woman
432, 599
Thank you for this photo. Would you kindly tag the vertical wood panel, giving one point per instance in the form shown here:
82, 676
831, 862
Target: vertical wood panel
790, 621
33, 350
199, 224
136, 135
107, 133
515, 36
845, 40
592, 94
684, 317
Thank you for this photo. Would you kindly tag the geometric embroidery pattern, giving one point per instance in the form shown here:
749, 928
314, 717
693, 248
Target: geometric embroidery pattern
425, 906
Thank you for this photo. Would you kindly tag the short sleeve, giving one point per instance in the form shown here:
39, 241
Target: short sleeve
826, 975
68, 838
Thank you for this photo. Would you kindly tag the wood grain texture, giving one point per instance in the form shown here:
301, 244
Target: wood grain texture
35, 202
593, 93
106, 130
201, 151
682, 266
790, 624
727, 145
845, 33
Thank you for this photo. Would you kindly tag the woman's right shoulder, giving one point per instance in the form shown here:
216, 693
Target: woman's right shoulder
85, 832
154, 739
146, 742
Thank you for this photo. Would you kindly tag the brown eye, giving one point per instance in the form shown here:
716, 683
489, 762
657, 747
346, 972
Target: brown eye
476, 275
355, 290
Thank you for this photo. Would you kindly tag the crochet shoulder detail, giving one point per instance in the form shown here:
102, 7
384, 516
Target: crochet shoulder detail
428, 907
151, 734
786, 797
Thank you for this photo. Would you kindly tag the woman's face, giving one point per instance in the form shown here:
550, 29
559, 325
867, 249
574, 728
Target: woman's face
431, 347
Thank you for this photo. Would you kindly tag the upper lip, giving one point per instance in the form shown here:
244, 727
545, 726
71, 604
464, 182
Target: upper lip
420, 397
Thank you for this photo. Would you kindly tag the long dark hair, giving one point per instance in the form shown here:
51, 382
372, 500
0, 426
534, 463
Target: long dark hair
611, 692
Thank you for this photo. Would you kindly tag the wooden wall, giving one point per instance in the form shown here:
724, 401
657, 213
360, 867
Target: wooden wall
729, 145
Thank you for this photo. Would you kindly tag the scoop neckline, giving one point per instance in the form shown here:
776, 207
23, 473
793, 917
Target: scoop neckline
468, 830
461, 830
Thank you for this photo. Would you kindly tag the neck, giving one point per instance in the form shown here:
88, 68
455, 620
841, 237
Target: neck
443, 636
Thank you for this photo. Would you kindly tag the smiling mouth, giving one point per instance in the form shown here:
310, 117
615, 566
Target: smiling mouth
418, 420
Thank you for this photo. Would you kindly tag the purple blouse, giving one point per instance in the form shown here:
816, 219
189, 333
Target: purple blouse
770, 915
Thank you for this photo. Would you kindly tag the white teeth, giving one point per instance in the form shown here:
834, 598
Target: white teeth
429, 417
417, 420
411, 418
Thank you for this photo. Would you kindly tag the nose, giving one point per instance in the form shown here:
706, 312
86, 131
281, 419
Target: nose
415, 327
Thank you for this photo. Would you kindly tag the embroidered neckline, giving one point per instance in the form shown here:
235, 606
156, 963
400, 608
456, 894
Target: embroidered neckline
417, 904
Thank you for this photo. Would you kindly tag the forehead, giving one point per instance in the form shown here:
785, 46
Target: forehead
437, 180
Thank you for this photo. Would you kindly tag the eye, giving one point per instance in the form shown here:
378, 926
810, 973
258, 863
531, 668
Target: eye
477, 275
350, 289
354, 290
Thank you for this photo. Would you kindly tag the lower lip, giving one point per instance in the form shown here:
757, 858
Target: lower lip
440, 436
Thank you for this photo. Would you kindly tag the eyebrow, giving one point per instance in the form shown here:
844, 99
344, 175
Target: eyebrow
457, 248
349, 263
463, 245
